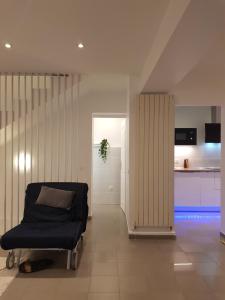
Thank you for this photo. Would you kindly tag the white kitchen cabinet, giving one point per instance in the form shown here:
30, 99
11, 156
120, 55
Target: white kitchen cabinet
187, 189
210, 189
217, 180
197, 189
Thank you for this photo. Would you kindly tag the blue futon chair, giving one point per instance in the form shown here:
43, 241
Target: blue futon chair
46, 228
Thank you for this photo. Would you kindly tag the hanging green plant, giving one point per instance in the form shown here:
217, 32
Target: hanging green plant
103, 149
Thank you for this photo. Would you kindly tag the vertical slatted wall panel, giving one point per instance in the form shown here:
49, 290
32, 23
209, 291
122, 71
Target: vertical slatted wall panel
48, 128
3, 153
34, 160
28, 127
38, 138
75, 127
41, 123
154, 157
15, 150
54, 129
62, 154
9, 203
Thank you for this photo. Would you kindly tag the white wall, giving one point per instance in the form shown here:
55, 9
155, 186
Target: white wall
109, 128
106, 175
203, 154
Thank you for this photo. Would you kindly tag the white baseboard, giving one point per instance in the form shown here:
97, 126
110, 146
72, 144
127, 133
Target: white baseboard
152, 234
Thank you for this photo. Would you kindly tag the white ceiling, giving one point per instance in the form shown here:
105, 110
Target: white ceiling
118, 35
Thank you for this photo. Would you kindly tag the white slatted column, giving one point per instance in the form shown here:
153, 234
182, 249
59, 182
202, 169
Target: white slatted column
154, 161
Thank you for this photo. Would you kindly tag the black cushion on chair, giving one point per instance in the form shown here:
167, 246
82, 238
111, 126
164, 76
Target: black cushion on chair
41, 213
42, 235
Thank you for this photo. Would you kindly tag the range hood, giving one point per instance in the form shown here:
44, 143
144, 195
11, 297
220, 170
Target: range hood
212, 133
215, 114
213, 129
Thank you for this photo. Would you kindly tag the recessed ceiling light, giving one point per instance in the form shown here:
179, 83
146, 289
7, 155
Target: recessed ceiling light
80, 45
8, 45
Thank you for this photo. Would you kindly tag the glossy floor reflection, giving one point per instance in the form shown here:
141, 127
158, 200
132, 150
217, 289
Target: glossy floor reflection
113, 267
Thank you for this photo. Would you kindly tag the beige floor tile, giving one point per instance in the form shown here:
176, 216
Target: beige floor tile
198, 257
133, 269
49, 294
136, 296
83, 271
133, 284
191, 282
108, 268
218, 296
208, 269
104, 256
76, 285
216, 283
172, 257
4, 283
199, 296
104, 284
162, 295
132, 257
15, 290
71, 296
103, 296
41, 288
163, 282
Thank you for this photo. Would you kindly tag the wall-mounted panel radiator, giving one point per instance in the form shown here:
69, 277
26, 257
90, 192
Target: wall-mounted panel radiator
154, 161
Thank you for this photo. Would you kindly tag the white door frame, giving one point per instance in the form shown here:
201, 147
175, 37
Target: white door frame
102, 115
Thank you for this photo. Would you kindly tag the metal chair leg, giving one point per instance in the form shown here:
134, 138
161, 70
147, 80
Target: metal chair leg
75, 260
10, 260
69, 253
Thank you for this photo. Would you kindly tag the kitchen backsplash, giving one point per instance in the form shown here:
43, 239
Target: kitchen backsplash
205, 155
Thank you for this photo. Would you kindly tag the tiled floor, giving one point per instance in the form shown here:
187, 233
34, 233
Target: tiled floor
113, 267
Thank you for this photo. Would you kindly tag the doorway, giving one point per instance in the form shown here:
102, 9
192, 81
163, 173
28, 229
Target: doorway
109, 171
197, 176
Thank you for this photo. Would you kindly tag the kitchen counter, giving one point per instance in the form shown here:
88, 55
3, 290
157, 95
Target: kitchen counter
197, 169
197, 189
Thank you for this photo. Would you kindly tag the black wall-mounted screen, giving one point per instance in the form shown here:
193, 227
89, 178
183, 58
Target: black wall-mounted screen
212, 132
185, 136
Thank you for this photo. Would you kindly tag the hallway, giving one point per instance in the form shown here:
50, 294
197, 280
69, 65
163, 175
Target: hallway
113, 267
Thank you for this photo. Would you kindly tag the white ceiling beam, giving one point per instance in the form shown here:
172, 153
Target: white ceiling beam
167, 27
180, 46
